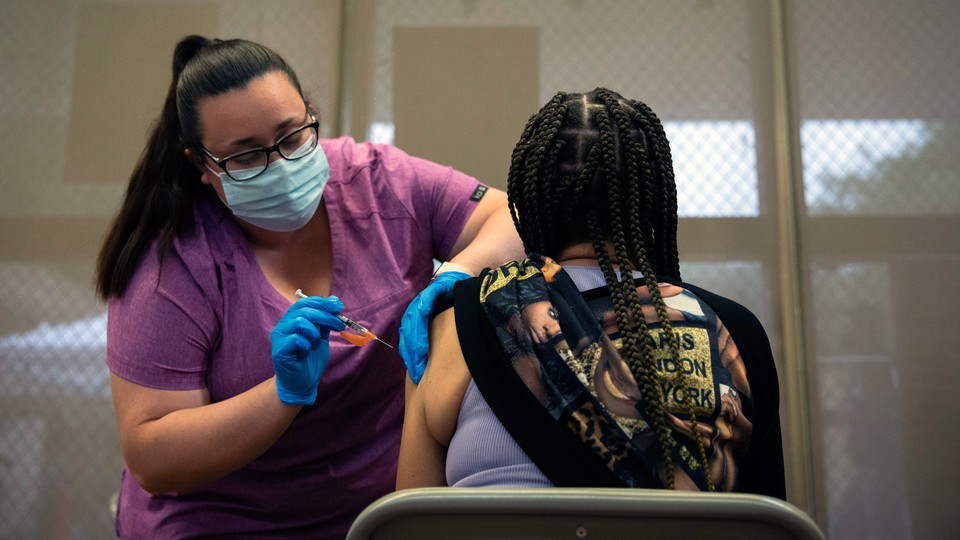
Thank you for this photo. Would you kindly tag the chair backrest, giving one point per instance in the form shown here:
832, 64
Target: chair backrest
590, 513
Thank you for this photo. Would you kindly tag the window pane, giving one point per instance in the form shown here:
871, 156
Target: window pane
881, 167
716, 168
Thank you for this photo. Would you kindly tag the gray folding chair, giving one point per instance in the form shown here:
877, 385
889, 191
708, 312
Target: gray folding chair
590, 513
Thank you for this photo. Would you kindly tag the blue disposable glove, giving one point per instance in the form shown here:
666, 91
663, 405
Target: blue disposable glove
414, 341
300, 346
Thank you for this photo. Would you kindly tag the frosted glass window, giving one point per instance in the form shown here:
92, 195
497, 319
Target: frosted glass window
881, 167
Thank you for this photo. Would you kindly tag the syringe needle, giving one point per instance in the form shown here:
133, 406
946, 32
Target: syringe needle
380, 340
352, 324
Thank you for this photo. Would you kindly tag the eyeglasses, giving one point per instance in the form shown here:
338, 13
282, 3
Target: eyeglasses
249, 164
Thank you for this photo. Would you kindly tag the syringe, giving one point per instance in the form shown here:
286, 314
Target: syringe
358, 340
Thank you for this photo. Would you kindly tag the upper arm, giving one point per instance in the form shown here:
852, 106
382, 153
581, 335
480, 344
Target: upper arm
137, 407
161, 332
447, 206
432, 409
494, 200
422, 459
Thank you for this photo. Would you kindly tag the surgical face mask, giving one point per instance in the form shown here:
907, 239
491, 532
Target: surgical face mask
283, 197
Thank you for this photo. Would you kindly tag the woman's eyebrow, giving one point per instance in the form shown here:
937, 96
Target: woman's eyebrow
282, 126
279, 129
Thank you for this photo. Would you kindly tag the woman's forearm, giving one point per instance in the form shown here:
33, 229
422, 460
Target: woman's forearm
193, 444
495, 241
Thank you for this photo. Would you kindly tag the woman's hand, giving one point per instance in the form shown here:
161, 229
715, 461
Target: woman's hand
300, 347
414, 341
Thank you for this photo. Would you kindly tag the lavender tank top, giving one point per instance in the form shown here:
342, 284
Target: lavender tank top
483, 454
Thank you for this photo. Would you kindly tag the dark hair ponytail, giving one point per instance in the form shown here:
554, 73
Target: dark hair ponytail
164, 184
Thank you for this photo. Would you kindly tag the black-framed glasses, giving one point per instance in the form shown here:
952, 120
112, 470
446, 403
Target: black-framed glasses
249, 164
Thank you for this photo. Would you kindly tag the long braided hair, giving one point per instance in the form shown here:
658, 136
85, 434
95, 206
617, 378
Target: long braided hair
596, 168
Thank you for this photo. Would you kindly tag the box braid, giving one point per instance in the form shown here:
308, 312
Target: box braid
599, 160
